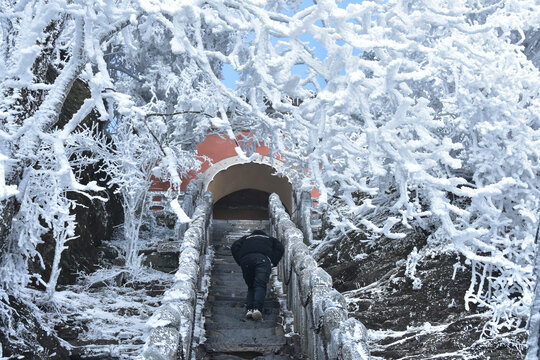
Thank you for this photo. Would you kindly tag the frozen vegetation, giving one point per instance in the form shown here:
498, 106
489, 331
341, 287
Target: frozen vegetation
409, 116
105, 314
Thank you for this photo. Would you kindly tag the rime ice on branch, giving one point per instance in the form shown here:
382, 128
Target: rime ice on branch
429, 108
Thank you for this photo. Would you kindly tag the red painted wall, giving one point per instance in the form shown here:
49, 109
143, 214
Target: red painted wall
216, 148
219, 148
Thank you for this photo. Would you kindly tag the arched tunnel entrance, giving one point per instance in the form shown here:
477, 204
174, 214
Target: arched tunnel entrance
248, 204
241, 191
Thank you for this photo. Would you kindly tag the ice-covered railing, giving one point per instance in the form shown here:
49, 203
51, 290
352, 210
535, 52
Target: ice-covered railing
173, 323
193, 190
320, 311
304, 214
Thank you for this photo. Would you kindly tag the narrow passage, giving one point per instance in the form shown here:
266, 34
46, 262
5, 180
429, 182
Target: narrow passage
229, 334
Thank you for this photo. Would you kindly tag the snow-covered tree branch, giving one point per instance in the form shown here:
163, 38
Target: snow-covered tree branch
426, 109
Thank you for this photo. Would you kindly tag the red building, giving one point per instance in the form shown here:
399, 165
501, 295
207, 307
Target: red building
235, 181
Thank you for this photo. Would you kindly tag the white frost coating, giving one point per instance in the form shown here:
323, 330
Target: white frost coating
172, 167
179, 311
427, 107
313, 301
353, 340
162, 344
410, 271
165, 316
5, 190
182, 217
533, 342
177, 294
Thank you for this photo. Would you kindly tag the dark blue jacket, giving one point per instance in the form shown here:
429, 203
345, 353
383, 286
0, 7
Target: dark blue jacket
257, 242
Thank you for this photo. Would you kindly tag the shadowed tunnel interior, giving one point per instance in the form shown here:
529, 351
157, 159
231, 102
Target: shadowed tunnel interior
241, 191
246, 204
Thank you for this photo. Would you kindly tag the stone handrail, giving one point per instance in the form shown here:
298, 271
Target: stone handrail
320, 311
189, 201
172, 324
303, 214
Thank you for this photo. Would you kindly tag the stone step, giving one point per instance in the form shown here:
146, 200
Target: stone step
237, 309
224, 257
237, 319
236, 291
224, 357
222, 284
245, 356
228, 289
226, 297
222, 271
235, 227
229, 335
260, 332
235, 301
221, 246
228, 278
223, 252
223, 243
221, 266
223, 261
249, 343
244, 323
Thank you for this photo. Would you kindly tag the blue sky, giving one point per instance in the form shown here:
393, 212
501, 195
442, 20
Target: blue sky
230, 76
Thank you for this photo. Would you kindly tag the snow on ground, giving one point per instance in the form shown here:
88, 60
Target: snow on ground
384, 340
104, 315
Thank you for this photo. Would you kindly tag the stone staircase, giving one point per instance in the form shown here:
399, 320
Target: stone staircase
229, 335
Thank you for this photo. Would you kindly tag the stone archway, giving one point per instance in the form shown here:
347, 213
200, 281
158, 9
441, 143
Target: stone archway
253, 176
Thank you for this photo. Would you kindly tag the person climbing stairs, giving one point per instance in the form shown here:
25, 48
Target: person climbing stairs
229, 334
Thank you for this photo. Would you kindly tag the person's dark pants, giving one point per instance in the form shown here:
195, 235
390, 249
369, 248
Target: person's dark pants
256, 270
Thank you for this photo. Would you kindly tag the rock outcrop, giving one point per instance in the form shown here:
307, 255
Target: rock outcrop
417, 320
